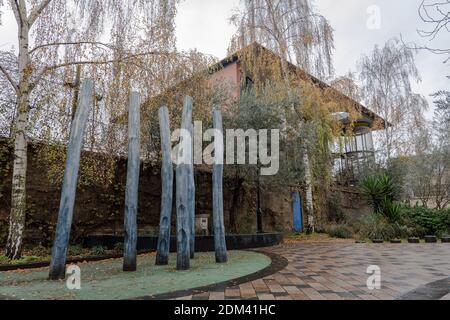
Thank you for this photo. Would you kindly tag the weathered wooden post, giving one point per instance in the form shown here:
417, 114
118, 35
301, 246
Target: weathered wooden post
191, 196
219, 227
162, 257
182, 180
65, 215
131, 196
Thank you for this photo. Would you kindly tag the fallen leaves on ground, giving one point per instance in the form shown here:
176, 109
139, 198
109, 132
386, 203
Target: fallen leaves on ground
313, 238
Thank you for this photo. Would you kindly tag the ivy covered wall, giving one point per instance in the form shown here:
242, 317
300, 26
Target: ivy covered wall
99, 206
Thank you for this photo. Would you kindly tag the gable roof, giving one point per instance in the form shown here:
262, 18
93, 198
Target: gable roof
236, 57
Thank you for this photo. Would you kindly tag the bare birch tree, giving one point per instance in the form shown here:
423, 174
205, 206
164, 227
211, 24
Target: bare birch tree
347, 85
441, 154
386, 78
101, 33
292, 29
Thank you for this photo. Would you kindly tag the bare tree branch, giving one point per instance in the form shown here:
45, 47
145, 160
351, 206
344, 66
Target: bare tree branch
437, 14
36, 12
17, 12
93, 62
56, 44
9, 78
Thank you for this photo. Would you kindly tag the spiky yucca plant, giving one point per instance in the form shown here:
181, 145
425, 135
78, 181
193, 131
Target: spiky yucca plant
380, 191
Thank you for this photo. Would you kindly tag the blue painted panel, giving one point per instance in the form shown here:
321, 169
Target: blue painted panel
298, 214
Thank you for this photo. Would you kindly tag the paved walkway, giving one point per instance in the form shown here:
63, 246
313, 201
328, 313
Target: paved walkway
337, 271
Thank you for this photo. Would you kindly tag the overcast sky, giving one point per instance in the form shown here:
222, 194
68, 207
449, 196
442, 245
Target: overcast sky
204, 25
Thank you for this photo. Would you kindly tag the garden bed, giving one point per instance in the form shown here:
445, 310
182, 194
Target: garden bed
105, 280
40, 257
18, 265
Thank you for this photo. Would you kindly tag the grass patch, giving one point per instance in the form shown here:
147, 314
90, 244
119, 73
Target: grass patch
105, 280
41, 254
24, 260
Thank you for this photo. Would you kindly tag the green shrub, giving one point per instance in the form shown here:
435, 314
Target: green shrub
445, 220
391, 210
4, 260
397, 221
24, 260
377, 226
118, 247
98, 251
76, 250
40, 251
429, 221
340, 231
27, 259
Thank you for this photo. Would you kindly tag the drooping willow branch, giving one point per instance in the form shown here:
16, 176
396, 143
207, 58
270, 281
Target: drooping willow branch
74, 43
92, 62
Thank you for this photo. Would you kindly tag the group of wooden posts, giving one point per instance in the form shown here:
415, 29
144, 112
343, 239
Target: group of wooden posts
185, 188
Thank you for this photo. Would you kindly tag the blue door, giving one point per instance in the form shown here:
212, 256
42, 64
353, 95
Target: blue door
298, 214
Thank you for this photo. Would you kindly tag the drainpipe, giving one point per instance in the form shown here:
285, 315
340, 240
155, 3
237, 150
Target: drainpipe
259, 212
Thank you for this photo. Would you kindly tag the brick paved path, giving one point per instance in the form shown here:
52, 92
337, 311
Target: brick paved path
337, 271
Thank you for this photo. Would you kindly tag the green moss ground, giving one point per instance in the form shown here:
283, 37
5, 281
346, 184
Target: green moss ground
105, 280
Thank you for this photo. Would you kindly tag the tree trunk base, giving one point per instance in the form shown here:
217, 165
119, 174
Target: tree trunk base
11, 255
183, 263
221, 258
57, 273
162, 260
129, 267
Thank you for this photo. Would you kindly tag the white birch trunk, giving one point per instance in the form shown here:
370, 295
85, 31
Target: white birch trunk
309, 193
18, 192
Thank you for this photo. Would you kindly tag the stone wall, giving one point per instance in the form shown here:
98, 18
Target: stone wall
99, 208
353, 203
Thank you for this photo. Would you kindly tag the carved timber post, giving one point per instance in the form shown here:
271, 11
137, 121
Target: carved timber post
162, 257
65, 215
191, 196
182, 180
131, 196
219, 227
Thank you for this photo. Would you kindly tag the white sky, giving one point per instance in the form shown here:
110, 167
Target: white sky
203, 24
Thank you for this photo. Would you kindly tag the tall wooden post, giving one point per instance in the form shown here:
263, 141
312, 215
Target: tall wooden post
191, 196
182, 180
162, 257
219, 226
65, 215
131, 196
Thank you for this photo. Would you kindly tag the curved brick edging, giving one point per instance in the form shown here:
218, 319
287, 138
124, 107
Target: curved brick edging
278, 263
431, 291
